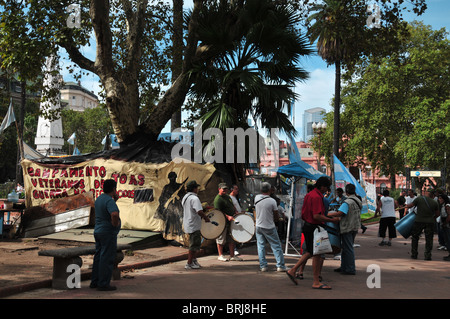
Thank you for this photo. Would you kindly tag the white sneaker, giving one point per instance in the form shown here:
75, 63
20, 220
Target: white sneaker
236, 258
191, 266
236, 253
264, 269
281, 269
222, 258
195, 262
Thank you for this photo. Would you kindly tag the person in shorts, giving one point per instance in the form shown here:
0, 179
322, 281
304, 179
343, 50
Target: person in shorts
313, 214
224, 203
192, 222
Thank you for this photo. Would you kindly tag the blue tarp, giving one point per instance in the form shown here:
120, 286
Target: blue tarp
300, 169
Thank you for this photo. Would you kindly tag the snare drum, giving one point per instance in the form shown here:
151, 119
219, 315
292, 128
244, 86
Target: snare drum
242, 228
216, 225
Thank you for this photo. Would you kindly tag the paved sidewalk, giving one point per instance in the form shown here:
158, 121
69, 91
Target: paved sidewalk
401, 277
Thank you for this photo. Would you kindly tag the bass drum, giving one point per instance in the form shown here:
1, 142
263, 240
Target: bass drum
404, 225
242, 228
216, 225
334, 236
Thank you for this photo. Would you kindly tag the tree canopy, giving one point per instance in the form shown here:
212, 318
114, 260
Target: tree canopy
397, 109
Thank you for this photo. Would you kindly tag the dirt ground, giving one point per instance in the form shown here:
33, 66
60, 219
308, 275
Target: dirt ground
20, 262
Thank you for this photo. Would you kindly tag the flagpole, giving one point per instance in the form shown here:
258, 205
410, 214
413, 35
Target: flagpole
19, 139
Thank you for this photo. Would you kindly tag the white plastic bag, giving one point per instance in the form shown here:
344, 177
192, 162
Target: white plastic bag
322, 243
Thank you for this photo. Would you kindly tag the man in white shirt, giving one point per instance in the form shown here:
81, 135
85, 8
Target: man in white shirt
266, 212
234, 193
409, 199
386, 205
234, 197
192, 222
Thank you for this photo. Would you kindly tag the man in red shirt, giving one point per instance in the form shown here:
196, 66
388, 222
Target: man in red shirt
313, 213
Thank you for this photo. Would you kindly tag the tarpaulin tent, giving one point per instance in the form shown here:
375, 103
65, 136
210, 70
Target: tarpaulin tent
300, 169
150, 184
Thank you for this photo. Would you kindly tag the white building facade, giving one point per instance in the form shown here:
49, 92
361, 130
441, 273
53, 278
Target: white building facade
77, 97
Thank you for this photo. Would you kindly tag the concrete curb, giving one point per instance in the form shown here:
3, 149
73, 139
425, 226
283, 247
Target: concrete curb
9, 291
13, 290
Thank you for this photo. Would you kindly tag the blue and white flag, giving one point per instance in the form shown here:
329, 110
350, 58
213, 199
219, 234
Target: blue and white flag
293, 153
9, 118
297, 166
76, 151
71, 139
341, 173
113, 141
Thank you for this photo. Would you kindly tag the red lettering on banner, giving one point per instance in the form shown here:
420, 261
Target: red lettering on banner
64, 173
133, 180
115, 176
55, 171
46, 173
73, 172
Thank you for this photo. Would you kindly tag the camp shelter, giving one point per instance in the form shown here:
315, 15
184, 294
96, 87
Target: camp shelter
149, 184
298, 172
300, 169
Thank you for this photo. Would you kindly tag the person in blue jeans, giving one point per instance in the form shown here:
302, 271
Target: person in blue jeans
266, 232
350, 221
107, 226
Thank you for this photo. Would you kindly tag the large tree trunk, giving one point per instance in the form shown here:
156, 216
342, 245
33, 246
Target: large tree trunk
174, 97
121, 85
177, 62
123, 105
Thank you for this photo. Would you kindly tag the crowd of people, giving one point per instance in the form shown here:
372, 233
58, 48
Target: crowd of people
431, 209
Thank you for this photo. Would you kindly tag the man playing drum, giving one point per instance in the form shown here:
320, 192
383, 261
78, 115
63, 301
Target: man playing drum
224, 203
192, 218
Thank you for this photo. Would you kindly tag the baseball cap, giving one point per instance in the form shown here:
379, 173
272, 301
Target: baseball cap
223, 185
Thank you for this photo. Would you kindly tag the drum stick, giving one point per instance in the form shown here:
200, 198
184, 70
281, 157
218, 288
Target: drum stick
231, 218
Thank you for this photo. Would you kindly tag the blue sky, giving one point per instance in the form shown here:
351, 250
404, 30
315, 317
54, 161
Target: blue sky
318, 90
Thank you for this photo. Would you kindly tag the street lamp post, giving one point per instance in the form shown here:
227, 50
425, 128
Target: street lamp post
319, 129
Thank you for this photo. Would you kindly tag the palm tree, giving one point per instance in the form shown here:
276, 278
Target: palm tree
249, 64
337, 26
